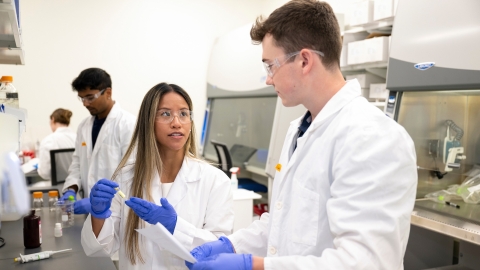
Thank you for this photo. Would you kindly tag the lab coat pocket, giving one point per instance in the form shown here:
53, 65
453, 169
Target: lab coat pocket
306, 205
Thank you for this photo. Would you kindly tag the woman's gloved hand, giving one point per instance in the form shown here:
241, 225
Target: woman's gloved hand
152, 213
82, 206
67, 194
101, 197
225, 261
200, 253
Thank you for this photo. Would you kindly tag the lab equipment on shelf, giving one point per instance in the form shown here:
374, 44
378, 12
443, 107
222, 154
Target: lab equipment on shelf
38, 256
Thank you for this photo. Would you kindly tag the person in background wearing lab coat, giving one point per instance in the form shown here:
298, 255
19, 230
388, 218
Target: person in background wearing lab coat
167, 185
346, 180
62, 137
102, 139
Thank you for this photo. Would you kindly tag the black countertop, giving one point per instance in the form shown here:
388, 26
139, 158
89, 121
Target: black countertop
12, 232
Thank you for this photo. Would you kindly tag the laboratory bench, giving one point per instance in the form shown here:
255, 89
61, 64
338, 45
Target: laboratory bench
443, 237
12, 232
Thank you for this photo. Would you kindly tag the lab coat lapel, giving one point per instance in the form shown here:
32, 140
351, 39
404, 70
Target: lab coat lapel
179, 188
105, 131
87, 137
348, 93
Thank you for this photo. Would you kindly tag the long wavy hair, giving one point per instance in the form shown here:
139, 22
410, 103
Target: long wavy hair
148, 162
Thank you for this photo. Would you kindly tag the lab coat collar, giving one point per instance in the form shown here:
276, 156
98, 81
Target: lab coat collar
61, 129
347, 93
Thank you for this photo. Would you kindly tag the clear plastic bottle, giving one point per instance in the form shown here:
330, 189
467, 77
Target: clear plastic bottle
8, 93
52, 199
37, 201
233, 178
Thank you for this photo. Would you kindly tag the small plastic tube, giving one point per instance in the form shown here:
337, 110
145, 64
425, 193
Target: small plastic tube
120, 192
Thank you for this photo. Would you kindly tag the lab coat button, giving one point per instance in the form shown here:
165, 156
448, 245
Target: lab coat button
273, 250
279, 205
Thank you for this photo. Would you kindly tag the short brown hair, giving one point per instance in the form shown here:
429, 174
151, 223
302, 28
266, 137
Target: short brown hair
61, 116
303, 24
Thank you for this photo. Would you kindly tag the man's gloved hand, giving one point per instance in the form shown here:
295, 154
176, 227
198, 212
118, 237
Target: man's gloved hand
82, 206
225, 261
67, 194
101, 197
152, 213
200, 253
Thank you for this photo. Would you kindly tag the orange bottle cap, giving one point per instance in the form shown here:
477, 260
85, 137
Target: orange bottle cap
6, 79
53, 193
37, 195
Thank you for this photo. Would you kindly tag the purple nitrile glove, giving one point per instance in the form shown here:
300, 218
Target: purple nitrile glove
152, 213
67, 194
222, 245
82, 206
222, 261
101, 197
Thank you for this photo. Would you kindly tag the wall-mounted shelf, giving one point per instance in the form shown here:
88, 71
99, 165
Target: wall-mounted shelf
365, 66
383, 25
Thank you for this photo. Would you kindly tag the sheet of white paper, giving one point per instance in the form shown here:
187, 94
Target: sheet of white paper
160, 235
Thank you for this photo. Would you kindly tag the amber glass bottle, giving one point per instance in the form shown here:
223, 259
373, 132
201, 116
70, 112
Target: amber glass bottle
32, 230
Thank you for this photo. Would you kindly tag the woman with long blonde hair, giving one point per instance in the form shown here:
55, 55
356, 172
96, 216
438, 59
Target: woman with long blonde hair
168, 186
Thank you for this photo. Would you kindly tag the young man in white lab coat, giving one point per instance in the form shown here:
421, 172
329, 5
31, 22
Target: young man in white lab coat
346, 179
102, 139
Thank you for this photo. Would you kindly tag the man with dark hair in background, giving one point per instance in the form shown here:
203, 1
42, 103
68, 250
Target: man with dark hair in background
102, 139
346, 180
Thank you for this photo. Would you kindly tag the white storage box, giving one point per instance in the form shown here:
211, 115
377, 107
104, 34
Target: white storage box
361, 12
378, 91
366, 79
377, 49
382, 9
356, 53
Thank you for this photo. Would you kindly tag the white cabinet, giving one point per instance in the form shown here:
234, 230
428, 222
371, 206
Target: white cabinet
243, 208
11, 51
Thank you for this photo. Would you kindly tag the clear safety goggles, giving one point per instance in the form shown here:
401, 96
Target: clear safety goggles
166, 116
271, 65
91, 98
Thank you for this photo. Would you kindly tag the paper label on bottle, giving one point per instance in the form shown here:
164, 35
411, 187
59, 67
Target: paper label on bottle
474, 188
64, 218
40, 230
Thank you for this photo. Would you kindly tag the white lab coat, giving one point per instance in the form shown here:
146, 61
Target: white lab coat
202, 198
112, 142
63, 137
343, 198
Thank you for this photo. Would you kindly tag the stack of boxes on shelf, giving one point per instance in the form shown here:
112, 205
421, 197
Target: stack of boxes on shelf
373, 87
360, 46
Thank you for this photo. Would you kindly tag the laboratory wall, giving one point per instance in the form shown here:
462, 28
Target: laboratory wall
139, 43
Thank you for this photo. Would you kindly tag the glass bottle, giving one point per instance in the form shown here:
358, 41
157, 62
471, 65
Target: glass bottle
32, 230
52, 199
8, 93
37, 201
